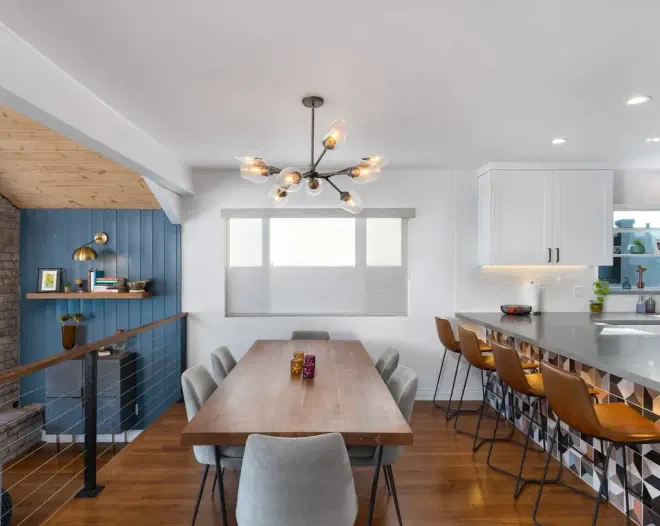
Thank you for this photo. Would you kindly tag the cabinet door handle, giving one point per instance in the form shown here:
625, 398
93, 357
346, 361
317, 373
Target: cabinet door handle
557, 256
549, 255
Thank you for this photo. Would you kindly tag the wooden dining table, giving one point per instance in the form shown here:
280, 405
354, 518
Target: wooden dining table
346, 396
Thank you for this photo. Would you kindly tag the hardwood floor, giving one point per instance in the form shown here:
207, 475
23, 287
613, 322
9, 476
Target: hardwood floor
439, 481
43, 479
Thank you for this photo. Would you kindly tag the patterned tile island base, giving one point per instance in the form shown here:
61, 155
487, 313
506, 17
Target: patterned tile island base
584, 455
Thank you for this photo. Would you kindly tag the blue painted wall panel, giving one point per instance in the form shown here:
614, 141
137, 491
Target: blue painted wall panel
142, 244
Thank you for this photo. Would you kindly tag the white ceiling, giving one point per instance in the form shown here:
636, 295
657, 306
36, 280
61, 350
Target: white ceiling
431, 82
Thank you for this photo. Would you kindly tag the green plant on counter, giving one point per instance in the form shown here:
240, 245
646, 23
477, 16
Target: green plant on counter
639, 243
601, 289
78, 317
64, 318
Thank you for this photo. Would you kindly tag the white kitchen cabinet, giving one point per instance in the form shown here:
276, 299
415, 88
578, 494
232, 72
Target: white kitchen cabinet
545, 216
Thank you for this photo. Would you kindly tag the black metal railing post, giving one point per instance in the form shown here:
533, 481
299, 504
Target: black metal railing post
90, 489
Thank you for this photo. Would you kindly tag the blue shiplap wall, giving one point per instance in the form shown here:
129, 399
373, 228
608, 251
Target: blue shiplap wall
142, 244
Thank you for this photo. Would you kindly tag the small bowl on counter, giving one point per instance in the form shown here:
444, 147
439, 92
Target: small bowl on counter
516, 310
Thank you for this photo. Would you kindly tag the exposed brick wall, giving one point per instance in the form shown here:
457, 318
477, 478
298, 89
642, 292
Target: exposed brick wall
9, 295
19, 428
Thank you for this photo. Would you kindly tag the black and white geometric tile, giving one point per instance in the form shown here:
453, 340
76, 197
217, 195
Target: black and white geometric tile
584, 455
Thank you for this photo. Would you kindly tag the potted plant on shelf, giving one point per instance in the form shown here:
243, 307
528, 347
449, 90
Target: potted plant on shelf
601, 289
67, 287
68, 331
637, 247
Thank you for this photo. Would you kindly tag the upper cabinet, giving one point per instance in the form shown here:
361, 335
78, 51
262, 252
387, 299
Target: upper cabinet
545, 216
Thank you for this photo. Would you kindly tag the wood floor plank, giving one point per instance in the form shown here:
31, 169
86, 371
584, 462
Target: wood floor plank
439, 481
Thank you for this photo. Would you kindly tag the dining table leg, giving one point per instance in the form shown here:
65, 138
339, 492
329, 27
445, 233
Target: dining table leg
374, 485
221, 486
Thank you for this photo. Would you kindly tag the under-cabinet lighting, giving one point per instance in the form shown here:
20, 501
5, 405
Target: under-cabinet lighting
638, 99
549, 267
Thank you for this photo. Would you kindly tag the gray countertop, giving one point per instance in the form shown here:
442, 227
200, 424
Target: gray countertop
624, 344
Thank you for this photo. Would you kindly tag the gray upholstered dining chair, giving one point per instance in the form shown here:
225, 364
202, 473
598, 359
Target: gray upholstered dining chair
296, 482
403, 387
310, 335
387, 363
198, 385
222, 362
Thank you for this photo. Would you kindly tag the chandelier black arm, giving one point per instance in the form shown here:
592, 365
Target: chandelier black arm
343, 171
318, 160
327, 178
273, 170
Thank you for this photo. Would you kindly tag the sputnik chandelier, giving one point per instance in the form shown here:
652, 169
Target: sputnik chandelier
290, 179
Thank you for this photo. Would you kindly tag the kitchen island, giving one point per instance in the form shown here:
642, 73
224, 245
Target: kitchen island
616, 353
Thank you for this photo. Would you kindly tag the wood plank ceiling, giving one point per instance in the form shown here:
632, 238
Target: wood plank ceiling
39, 168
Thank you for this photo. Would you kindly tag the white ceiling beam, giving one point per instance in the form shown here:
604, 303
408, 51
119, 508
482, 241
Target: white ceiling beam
33, 85
168, 200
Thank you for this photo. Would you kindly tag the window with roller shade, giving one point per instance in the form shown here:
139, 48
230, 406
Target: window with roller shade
307, 262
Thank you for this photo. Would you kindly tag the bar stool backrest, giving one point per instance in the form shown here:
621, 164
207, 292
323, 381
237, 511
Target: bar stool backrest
569, 397
509, 368
446, 335
470, 349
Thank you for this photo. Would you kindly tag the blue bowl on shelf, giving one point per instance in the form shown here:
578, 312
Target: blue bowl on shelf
625, 223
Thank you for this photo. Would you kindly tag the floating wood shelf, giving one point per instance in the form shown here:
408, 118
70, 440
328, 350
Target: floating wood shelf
87, 295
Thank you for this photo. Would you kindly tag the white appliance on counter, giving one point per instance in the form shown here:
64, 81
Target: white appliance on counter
533, 294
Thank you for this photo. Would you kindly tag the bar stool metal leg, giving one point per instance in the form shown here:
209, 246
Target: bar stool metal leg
448, 410
437, 384
625, 484
602, 484
545, 472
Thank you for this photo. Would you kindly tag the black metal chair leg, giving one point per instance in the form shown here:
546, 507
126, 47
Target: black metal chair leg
396, 498
602, 485
374, 485
221, 486
460, 403
437, 384
205, 473
387, 480
545, 472
625, 485
215, 482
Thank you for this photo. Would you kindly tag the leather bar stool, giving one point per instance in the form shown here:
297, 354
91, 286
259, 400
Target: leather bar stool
446, 335
615, 423
510, 370
486, 364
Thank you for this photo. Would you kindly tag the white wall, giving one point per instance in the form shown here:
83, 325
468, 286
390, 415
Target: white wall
431, 256
444, 273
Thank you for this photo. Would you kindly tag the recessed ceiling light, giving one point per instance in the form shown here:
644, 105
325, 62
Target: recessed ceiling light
557, 141
653, 139
638, 99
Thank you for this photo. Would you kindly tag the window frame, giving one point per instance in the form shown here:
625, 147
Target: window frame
360, 254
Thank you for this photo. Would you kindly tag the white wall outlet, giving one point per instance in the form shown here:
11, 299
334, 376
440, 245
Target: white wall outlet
578, 291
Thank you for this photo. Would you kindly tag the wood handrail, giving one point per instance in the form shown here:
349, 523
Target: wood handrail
16, 373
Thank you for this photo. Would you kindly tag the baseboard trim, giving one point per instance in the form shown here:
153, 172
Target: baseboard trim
117, 438
443, 396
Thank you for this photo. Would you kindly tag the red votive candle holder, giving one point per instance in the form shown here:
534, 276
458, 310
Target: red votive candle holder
309, 366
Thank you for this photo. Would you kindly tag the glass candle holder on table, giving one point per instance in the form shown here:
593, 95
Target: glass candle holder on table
309, 366
296, 366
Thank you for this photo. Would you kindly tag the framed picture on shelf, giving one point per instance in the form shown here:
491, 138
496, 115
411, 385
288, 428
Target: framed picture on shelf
50, 280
